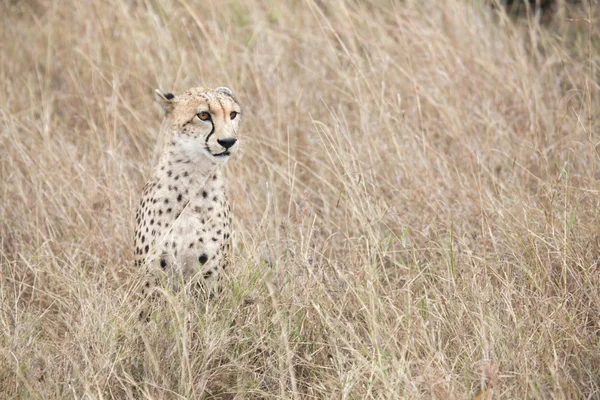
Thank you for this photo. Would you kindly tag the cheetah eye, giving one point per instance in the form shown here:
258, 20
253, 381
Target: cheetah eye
233, 114
204, 116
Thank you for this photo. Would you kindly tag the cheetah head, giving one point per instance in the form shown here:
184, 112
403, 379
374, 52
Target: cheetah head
203, 122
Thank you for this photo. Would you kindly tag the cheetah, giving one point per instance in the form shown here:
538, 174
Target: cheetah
183, 223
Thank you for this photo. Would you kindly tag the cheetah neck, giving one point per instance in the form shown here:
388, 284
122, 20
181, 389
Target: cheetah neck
177, 169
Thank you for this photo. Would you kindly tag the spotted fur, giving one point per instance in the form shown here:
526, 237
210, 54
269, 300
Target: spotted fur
183, 223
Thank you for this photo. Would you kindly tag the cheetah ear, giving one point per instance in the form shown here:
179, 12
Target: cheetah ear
165, 100
224, 90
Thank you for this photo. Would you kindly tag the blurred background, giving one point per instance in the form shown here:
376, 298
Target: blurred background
415, 202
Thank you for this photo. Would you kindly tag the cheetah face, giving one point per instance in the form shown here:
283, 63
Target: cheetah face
204, 122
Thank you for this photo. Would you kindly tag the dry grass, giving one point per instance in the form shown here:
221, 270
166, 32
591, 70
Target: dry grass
416, 201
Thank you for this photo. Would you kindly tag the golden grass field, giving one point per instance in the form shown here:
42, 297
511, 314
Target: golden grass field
416, 200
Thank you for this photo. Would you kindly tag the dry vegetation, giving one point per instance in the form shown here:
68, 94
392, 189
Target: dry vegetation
416, 200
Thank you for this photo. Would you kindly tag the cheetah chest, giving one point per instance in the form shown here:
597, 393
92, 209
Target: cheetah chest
199, 238
185, 230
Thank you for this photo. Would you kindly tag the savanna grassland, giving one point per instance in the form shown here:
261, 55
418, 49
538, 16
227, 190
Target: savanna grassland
416, 200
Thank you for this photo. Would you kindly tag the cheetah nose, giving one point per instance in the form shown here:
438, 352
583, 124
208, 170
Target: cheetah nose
227, 143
